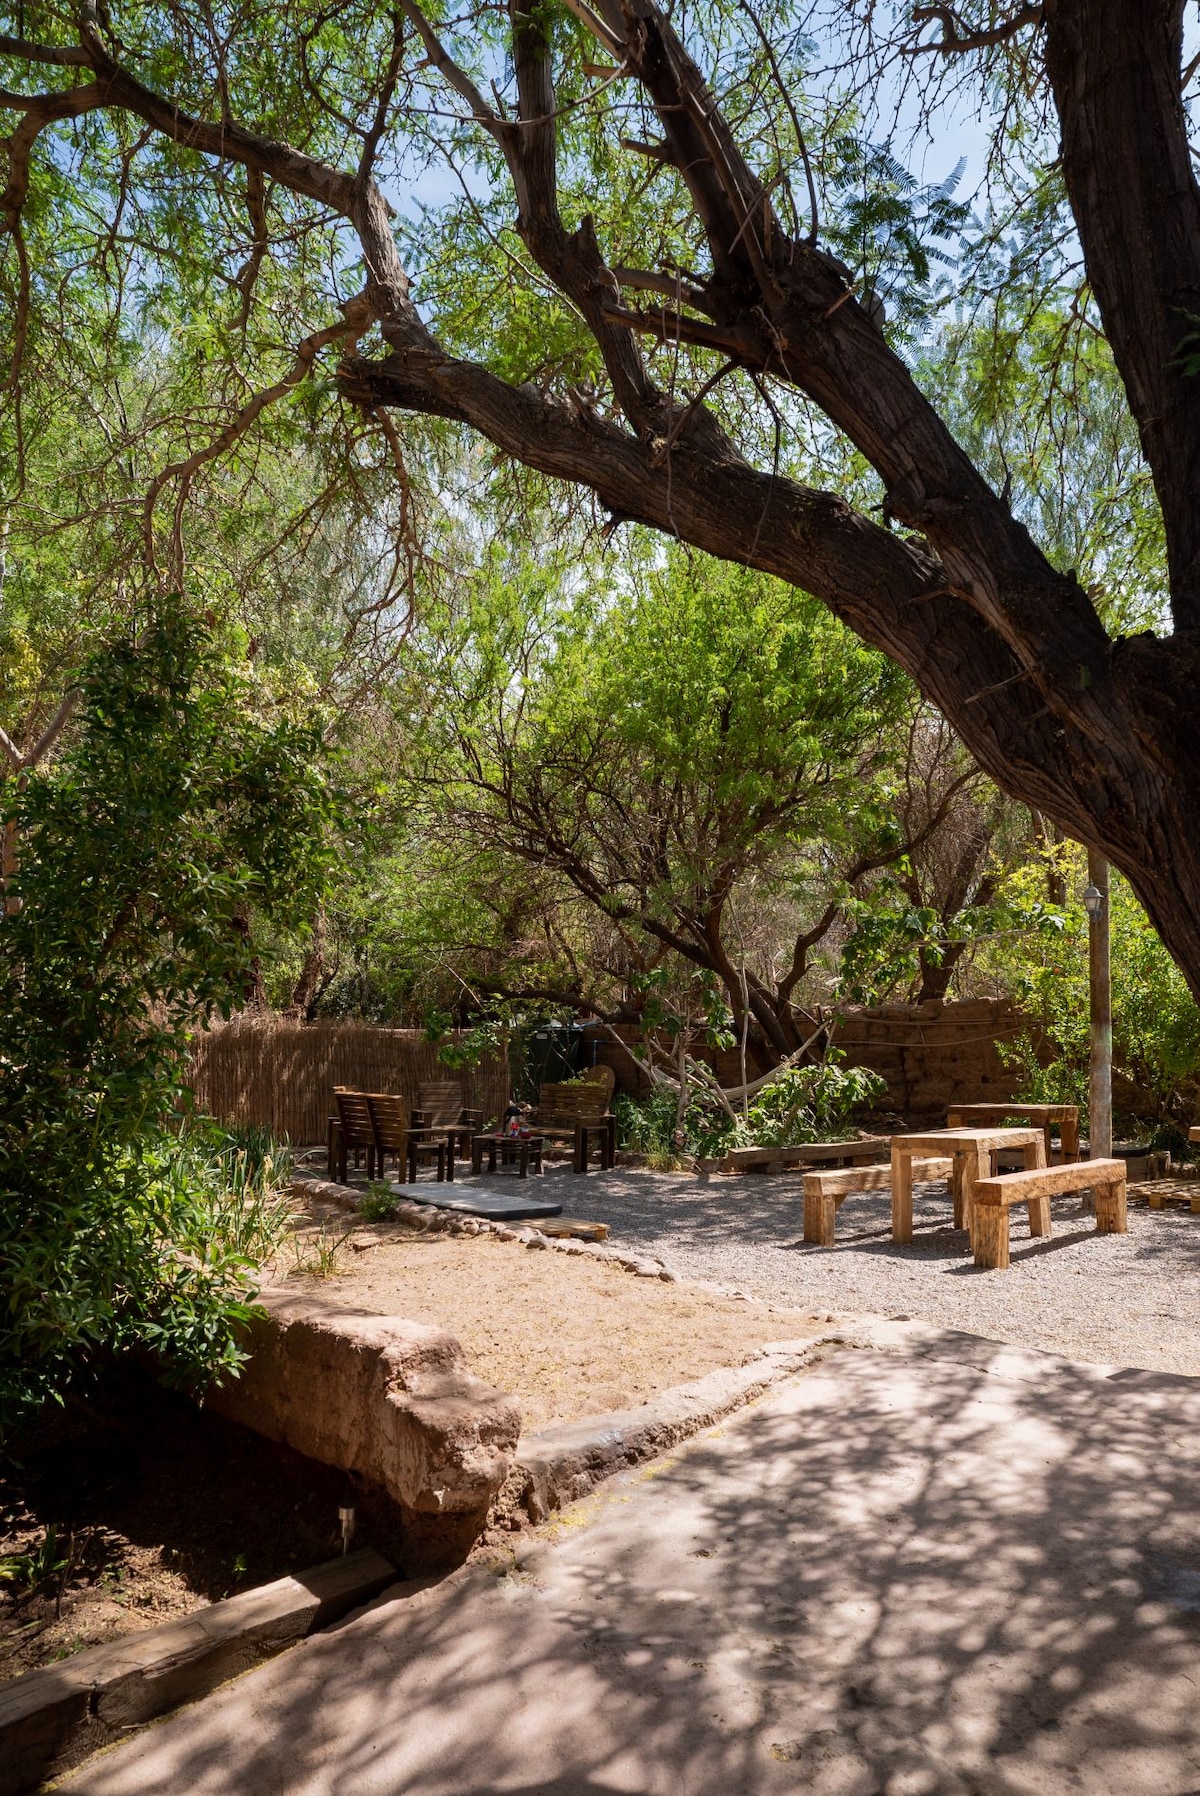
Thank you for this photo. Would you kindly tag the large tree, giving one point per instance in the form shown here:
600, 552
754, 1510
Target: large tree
705, 280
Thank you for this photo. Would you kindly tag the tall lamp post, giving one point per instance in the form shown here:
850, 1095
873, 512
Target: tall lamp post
1095, 898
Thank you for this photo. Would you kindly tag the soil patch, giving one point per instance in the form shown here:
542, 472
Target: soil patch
569, 1336
146, 1508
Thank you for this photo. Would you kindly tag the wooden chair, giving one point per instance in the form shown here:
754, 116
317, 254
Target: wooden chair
355, 1131
573, 1112
389, 1121
441, 1109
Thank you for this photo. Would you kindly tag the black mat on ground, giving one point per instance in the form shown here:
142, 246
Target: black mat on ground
469, 1200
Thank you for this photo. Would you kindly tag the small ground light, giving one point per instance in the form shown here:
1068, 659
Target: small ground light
346, 1517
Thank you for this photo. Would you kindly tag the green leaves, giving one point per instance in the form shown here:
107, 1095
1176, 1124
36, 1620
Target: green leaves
173, 810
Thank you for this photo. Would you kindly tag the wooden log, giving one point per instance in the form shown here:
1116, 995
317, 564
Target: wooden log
841, 1181
1112, 1216
53, 1717
807, 1153
989, 1238
820, 1212
1049, 1181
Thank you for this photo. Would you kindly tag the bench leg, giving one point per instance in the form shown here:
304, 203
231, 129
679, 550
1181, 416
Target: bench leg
1039, 1215
819, 1217
989, 1236
902, 1224
1112, 1216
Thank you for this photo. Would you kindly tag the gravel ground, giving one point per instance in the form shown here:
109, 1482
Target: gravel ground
1130, 1300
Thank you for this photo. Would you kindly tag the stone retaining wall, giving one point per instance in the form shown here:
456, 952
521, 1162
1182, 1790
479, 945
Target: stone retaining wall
388, 1400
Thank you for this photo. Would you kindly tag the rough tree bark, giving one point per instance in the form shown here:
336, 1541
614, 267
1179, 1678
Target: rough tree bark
1101, 735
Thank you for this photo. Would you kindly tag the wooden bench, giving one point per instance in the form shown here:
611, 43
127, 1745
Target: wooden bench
995, 1197
808, 1153
825, 1192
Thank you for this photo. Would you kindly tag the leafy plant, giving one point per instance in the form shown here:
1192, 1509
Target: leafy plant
27, 1573
377, 1206
173, 812
315, 1255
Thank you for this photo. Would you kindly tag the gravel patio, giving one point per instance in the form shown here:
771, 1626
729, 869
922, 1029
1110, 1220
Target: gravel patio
1131, 1300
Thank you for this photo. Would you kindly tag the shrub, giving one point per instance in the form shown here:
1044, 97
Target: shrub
172, 812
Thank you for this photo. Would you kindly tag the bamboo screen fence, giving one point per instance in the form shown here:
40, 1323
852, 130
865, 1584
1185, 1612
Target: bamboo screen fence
281, 1074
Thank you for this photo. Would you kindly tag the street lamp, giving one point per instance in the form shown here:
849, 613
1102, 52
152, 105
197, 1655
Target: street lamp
1095, 898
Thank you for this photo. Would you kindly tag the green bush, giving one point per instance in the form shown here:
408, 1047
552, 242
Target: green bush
171, 814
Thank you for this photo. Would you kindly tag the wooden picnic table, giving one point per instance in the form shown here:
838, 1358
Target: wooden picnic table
971, 1151
1064, 1117
1194, 1133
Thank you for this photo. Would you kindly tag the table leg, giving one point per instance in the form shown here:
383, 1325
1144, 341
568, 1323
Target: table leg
450, 1157
902, 1225
1038, 1207
523, 1160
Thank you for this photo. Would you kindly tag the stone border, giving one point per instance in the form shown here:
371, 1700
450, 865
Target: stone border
58, 1715
560, 1465
423, 1219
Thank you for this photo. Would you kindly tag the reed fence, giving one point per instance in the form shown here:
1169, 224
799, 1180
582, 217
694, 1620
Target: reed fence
280, 1074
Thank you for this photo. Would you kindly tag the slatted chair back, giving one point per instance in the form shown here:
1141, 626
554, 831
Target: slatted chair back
442, 1101
565, 1105
389, 1116
603, 1076
355, 1129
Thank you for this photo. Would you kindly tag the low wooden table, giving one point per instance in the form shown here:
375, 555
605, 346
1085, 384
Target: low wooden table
1064, 1117
512, 1149
971, 1150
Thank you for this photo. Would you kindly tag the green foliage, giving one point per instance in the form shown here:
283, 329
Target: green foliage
645, 1125
172, 811
27, 1573
378, 1205
812, 1103
1156, 1022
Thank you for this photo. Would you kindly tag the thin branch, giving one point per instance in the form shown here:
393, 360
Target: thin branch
954, 40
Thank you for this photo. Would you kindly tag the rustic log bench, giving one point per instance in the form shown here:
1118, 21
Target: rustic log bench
993, 1199
825, 1192
871, 1149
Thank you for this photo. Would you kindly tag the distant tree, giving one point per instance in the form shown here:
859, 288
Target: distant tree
706, 768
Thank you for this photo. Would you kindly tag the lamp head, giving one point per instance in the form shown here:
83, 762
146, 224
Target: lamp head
1093, 900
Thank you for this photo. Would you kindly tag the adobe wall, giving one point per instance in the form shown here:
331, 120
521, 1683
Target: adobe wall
931, 1054
935, 1054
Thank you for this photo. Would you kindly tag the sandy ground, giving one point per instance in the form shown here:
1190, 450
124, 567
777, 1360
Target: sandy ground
568, 1336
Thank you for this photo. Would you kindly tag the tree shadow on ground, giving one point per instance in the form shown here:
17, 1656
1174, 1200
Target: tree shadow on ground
896, 1577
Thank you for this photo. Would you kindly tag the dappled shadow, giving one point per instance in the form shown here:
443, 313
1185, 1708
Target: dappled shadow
896, 1576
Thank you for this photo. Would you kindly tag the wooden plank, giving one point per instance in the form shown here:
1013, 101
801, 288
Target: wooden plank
1194, 1133
842, 1180
807, 1153
1161, 1192
1048, 1181
572, 1228
53, 1717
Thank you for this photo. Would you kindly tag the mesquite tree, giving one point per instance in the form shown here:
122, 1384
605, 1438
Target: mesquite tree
691, 311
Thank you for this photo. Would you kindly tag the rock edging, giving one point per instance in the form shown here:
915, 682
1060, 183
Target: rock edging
559, 1465
425, 1220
